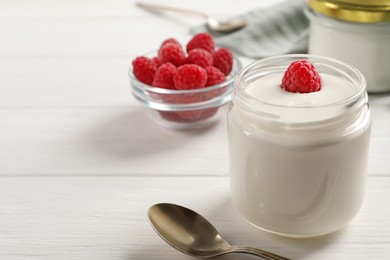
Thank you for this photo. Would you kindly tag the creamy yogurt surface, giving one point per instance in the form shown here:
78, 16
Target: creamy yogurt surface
267, 89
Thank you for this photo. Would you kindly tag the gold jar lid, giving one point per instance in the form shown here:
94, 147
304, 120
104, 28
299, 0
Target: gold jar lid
361, 11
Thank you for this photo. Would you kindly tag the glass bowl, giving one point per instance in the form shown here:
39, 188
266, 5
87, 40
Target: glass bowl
184, 109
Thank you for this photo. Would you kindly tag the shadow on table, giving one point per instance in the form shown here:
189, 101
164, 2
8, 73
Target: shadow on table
133, 134
289, 247
379, 99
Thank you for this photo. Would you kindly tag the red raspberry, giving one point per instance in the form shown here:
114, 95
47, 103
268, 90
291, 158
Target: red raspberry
169, 40
172, 52
209, 112
183, 116
200, 57
223, 60
201, 40
144, 69
214, 76
157, 61
189, 115
190, 76
302, 77
171, 116
164, 76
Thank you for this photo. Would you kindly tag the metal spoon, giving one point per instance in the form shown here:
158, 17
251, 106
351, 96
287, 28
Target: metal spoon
192, 234
213, 24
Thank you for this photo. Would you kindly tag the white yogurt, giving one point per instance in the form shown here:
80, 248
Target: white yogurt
267, 89
298, 161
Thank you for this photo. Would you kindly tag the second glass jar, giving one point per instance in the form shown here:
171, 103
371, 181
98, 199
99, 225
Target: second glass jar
356, 32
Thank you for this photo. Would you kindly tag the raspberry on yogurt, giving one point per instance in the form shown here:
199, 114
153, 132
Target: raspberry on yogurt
301, 77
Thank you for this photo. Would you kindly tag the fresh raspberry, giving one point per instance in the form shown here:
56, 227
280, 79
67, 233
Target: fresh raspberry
157, 61
169, 40
171, 116
164, 76
190, 76
144, 69
302, 77
172, 52
209, 112
183, 116
189, 115
201, 40
214, 76
200, 57
223, 60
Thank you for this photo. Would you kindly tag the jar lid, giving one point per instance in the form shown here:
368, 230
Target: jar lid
362, 11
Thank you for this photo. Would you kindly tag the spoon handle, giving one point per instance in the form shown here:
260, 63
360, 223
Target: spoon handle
162, 8
257, 252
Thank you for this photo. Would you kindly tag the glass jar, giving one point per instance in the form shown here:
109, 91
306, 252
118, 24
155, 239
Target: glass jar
298, 164
356, 32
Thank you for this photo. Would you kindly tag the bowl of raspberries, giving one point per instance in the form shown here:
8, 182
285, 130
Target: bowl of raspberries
184, 86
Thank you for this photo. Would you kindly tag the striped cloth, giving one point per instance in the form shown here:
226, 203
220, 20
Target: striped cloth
279, 29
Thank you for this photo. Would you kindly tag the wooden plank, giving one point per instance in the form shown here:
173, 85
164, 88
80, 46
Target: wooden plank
65, 82
125, 141
116, 28
105, 218
120, 141
59, 9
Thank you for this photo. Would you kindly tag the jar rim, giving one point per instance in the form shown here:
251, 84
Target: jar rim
307, 113
361, 82
361, 11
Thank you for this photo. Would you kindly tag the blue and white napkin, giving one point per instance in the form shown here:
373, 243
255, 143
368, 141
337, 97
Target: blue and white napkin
279, 29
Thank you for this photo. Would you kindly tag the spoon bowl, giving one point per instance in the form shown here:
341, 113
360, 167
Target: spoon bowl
192, 234
226, 26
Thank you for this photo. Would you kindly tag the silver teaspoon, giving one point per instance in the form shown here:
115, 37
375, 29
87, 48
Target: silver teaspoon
192, 234
212, 23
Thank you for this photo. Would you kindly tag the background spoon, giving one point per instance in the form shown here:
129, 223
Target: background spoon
212, 23
192, 234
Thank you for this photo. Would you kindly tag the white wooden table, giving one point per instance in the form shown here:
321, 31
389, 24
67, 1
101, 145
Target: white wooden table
80, 163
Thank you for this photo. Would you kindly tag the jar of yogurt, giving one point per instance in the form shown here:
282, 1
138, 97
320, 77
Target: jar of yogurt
356, 32
298, 161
